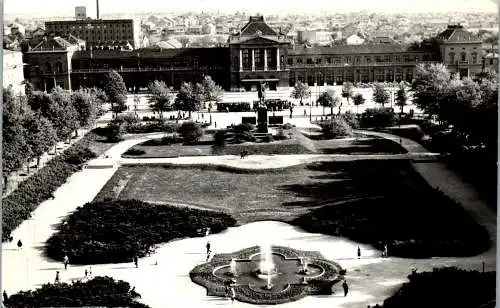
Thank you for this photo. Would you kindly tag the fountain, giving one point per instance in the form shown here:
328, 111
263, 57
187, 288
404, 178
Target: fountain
232, 266
304, 263
266, 266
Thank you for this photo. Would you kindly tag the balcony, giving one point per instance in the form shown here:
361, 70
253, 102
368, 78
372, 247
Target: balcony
141, 69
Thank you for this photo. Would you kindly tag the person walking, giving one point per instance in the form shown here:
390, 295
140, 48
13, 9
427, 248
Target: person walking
345, 287
66, 261
57, 277
5, 296
208, 248
90, 271
359, 252
233, 294
386, 250
86, 273
136, 261
19, 244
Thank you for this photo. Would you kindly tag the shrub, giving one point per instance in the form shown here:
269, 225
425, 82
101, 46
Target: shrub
190, 131
287, 126
440, 287
336, 127
378, 117
17, 206
268, 138
243, 127
116, 231
220, 138
135, 151
115, 131
280, 135
98, 292
351, 119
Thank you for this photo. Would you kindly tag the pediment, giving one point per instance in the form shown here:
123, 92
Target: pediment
256, 40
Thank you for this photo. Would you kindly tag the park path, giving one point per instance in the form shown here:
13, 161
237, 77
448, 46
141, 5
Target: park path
371, 278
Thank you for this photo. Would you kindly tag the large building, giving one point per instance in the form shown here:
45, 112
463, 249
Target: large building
13, 75
98, 33
256, 54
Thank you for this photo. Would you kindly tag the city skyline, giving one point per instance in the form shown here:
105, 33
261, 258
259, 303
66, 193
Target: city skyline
66, 8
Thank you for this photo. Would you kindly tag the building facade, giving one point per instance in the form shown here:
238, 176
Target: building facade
256, 54
13, 74
98, 33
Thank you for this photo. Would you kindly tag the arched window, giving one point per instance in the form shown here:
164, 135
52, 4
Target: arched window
463, 57
59, 67
474, 58
452, 57
48, 67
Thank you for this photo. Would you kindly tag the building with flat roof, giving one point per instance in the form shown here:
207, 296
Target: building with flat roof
98, 33
13, 75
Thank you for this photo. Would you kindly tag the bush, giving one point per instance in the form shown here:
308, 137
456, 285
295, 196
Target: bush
268, 138
288, 126
378, 117
243, 133
220, 138
440, 287
351, 119
243, 127
190, 131
115, 131
17, 206
98, 292
134, 151
280, 135
116, 231
336, 127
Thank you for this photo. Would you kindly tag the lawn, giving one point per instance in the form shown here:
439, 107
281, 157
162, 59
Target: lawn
368, 201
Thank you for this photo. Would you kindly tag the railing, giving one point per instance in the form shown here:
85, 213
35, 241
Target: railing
146, 69
350, 65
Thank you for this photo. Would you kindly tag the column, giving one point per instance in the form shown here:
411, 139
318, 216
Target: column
253, 60
278, 59
265, 59
241, 60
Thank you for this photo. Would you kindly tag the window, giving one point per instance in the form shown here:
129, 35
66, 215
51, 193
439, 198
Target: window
318, 60
289, 61
348, 59
299, 60
329, 60
387, 58
48, 67
336, 60
378, 59
309, 61
357, 60
59, 67
368, 59
463, 57
406, 58
451, 57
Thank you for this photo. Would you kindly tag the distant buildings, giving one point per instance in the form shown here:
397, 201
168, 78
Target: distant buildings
354, 40
98, 33
13, 75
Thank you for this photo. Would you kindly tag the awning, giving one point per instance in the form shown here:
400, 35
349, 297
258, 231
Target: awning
263, 79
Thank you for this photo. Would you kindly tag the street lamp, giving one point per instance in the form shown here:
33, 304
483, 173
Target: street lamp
310, 106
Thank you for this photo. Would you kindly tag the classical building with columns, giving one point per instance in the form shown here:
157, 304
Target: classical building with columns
257, 54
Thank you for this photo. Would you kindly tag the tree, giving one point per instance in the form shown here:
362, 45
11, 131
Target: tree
211, 91
380, 95
87, 106
428, 87
116, 91
190, 131
62, 114
40, 102
347, 90
188, 98
329, 99
160, 98
40, 135
301, 91
401, 97
15, 150
358, 100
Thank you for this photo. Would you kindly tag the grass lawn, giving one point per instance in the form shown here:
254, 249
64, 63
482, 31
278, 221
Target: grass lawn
359, 146
368, 201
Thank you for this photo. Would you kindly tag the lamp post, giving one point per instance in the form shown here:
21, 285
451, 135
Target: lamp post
310, 106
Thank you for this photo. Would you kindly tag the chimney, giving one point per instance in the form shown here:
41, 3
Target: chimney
97, 5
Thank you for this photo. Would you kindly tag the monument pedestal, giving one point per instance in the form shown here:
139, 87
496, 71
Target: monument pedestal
262, 121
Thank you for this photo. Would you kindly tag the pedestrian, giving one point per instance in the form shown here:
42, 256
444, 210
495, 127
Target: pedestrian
386, 250
136, 262
57, 277
346, 288
208, 256
207, 232
400, 141
66, 261
5, 297
215, 124
90, 271
233, 294
305, 112
359, 252
208, 247
19, 244
202, 117
86, 273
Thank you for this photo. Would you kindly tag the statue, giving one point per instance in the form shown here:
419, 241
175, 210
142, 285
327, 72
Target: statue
262, 92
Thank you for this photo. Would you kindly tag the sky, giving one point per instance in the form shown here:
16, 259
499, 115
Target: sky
66, 7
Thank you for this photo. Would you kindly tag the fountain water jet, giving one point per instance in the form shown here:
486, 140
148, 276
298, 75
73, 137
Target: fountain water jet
232, 266
267, 267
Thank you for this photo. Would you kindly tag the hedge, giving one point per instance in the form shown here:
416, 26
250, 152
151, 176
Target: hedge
98, 292
19, 204
116, 231
445, 287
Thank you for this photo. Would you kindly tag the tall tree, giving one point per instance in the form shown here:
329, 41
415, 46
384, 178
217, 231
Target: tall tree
401, 97
86, 105
358, 100
330, 99
211, 91
188, 98
116, 91
40, 135
429, 85
15, 150
301, 91
160, 97
380, 95
62, 114
347, 90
